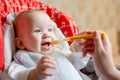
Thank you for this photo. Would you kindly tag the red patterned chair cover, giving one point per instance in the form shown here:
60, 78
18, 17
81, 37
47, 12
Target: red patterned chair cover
63, 21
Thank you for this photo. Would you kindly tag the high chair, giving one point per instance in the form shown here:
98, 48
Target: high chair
63, 21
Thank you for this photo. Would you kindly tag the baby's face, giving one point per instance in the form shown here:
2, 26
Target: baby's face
36, 32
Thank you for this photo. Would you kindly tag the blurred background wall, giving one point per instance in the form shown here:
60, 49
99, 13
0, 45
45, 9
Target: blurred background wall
94, 14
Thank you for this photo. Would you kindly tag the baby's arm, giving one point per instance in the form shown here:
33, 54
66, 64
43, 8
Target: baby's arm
42, 69
19, 72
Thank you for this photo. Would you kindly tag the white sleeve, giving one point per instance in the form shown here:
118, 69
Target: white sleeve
78, 60
18, 72
76, 57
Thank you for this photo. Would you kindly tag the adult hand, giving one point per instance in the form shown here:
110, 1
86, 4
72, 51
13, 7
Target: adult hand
103, 59
83, 45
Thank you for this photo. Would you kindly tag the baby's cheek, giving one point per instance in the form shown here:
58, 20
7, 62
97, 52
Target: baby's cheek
37, 48
54, 38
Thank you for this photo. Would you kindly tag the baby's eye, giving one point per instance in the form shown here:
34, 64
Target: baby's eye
37, 30
50, 29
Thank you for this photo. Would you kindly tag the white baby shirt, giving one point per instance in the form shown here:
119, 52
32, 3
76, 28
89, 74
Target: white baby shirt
25, 61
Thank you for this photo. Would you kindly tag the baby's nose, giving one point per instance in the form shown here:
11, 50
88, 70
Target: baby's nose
45, 36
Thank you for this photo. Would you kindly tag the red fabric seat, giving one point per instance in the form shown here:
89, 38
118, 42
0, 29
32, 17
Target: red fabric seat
63, 21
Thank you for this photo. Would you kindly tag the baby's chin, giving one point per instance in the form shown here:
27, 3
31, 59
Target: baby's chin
46, 52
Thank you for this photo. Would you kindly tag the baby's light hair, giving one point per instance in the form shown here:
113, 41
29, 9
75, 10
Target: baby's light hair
24, 13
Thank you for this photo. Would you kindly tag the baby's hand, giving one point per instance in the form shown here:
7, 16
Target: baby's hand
46, 63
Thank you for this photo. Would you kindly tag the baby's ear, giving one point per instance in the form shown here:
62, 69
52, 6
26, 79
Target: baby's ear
18, 42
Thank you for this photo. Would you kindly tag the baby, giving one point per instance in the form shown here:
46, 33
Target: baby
37, 58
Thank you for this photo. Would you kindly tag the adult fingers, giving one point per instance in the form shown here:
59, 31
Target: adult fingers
88, 49
86, 32
97, 40
107, 43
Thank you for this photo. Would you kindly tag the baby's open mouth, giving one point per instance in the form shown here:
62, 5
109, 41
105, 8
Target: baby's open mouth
46, 44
